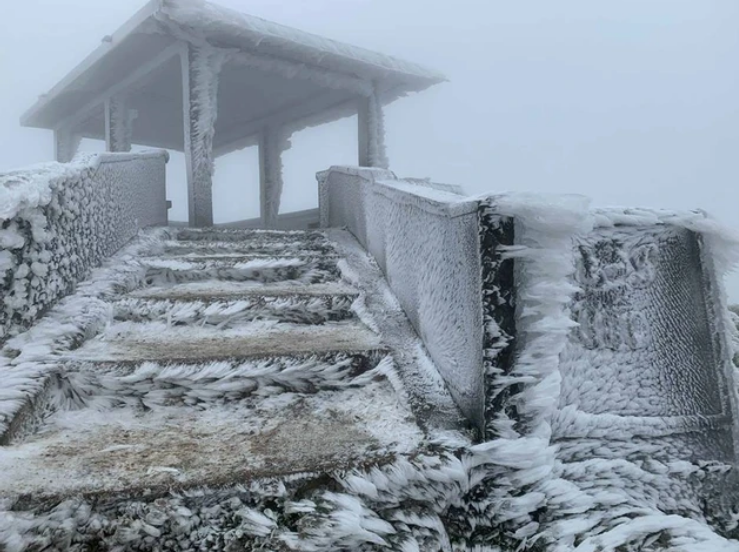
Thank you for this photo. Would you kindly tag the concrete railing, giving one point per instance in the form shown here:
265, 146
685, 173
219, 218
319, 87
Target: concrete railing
60, 220
548, 318
426, 241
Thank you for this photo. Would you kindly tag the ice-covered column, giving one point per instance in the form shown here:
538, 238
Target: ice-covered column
372, 132
272, 142
66, 144
118, 124
201, 67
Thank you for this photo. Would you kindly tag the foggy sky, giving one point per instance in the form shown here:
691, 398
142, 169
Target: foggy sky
630, 102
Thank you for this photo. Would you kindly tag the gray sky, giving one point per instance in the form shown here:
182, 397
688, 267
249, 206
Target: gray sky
629, 102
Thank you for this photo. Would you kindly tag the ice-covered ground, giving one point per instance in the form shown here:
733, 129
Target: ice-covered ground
234, 389
187, 367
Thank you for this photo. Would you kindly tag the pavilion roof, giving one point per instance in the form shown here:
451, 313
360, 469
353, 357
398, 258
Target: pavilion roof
275, 74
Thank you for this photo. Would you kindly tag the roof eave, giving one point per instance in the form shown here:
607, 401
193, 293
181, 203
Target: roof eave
415, 79
29, 118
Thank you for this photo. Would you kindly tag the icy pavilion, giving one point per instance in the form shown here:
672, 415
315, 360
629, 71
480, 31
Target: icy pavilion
422, 371
206, 80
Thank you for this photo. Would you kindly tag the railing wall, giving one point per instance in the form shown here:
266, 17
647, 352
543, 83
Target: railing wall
426, 242
60, 220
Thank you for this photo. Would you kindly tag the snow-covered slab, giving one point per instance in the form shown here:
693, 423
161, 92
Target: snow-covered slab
173, 247
265, 270
135, 342
217, 290
248, 236
299, 309
256, 253
126, 450
646, 357
241, 262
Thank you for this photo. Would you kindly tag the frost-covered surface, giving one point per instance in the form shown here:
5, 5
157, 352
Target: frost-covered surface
611, 307
119, 121
205, 424
60, 220
311, 450
274, 142
250, 431
222, 25
66, 145
426, 242
372, 150
607, 365
29, 358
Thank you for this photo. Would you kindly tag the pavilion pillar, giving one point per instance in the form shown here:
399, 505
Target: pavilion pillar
273, 140
66, 144
118, 124
201, 67
371, 120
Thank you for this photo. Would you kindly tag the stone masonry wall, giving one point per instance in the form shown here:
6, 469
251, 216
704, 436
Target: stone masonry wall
58, 221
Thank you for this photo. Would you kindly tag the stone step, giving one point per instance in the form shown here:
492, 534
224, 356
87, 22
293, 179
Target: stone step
188, 253
203, 383
242, 235
297, 309
135, 343
173, 247
110, 447
269, 269
217, 290
230, 259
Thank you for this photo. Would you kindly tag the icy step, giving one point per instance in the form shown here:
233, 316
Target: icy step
239, 235
147, 385
297, 309
172, 247
265, 270
216, 290
128, 342
124, 452
187, 254
201, 262
154, 384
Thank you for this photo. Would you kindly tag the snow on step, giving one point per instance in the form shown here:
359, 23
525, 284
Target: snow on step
154, 341
306, 270
127, 450
254, 236
173, 247
230, 303
297, 309
215, 290
153, 384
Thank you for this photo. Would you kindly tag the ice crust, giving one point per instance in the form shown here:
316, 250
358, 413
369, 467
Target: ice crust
570, 458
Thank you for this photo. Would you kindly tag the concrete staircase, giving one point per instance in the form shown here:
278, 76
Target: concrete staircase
239, 356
